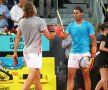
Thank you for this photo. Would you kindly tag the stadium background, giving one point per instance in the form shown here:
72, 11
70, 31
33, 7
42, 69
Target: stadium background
53, 53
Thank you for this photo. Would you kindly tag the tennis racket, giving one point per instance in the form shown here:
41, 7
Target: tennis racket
59, 29
58, 14
86, 63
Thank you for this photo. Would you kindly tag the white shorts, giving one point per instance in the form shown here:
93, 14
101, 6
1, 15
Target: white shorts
73, 61
33, 60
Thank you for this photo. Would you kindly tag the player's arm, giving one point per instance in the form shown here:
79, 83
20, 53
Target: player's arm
59, 30
102, 46
17, 39
63, 35
93, 45
49, 35
93, 40
93, 50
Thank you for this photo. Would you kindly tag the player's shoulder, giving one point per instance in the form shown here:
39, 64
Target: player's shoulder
87, 22
39, 19
71, 24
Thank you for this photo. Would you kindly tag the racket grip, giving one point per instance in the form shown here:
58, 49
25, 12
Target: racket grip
91, 60
90, 64
15, 61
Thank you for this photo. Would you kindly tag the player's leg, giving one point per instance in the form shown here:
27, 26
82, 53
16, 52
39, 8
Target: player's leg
99, 85
87, 81
86, 75
71, 76
104, 75
73, 65
103, 81
33, 73
37, 81
34, 63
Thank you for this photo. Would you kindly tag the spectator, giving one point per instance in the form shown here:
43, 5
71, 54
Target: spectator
17, 12
48, 8
4, 15
10, 4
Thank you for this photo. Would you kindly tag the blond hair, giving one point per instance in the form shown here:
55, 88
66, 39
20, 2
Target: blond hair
29, 10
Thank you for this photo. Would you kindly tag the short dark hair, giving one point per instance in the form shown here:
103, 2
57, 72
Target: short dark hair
79, 9
104, 26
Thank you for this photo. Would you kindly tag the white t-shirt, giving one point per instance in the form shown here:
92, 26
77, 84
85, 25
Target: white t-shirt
16, 14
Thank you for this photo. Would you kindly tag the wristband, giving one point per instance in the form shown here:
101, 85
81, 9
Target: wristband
61, 34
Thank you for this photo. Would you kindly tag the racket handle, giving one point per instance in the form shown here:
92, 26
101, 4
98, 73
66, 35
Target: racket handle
91, 61
90, 64
15, 61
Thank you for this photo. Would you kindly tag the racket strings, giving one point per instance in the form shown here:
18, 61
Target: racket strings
84, 63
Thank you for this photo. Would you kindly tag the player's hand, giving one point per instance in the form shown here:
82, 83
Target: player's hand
15, 56
57, 29
91, 63
93, 54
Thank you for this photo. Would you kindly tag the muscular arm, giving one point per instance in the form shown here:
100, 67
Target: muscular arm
94, 45
59, 30
48, 35
17, 39
63, 35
